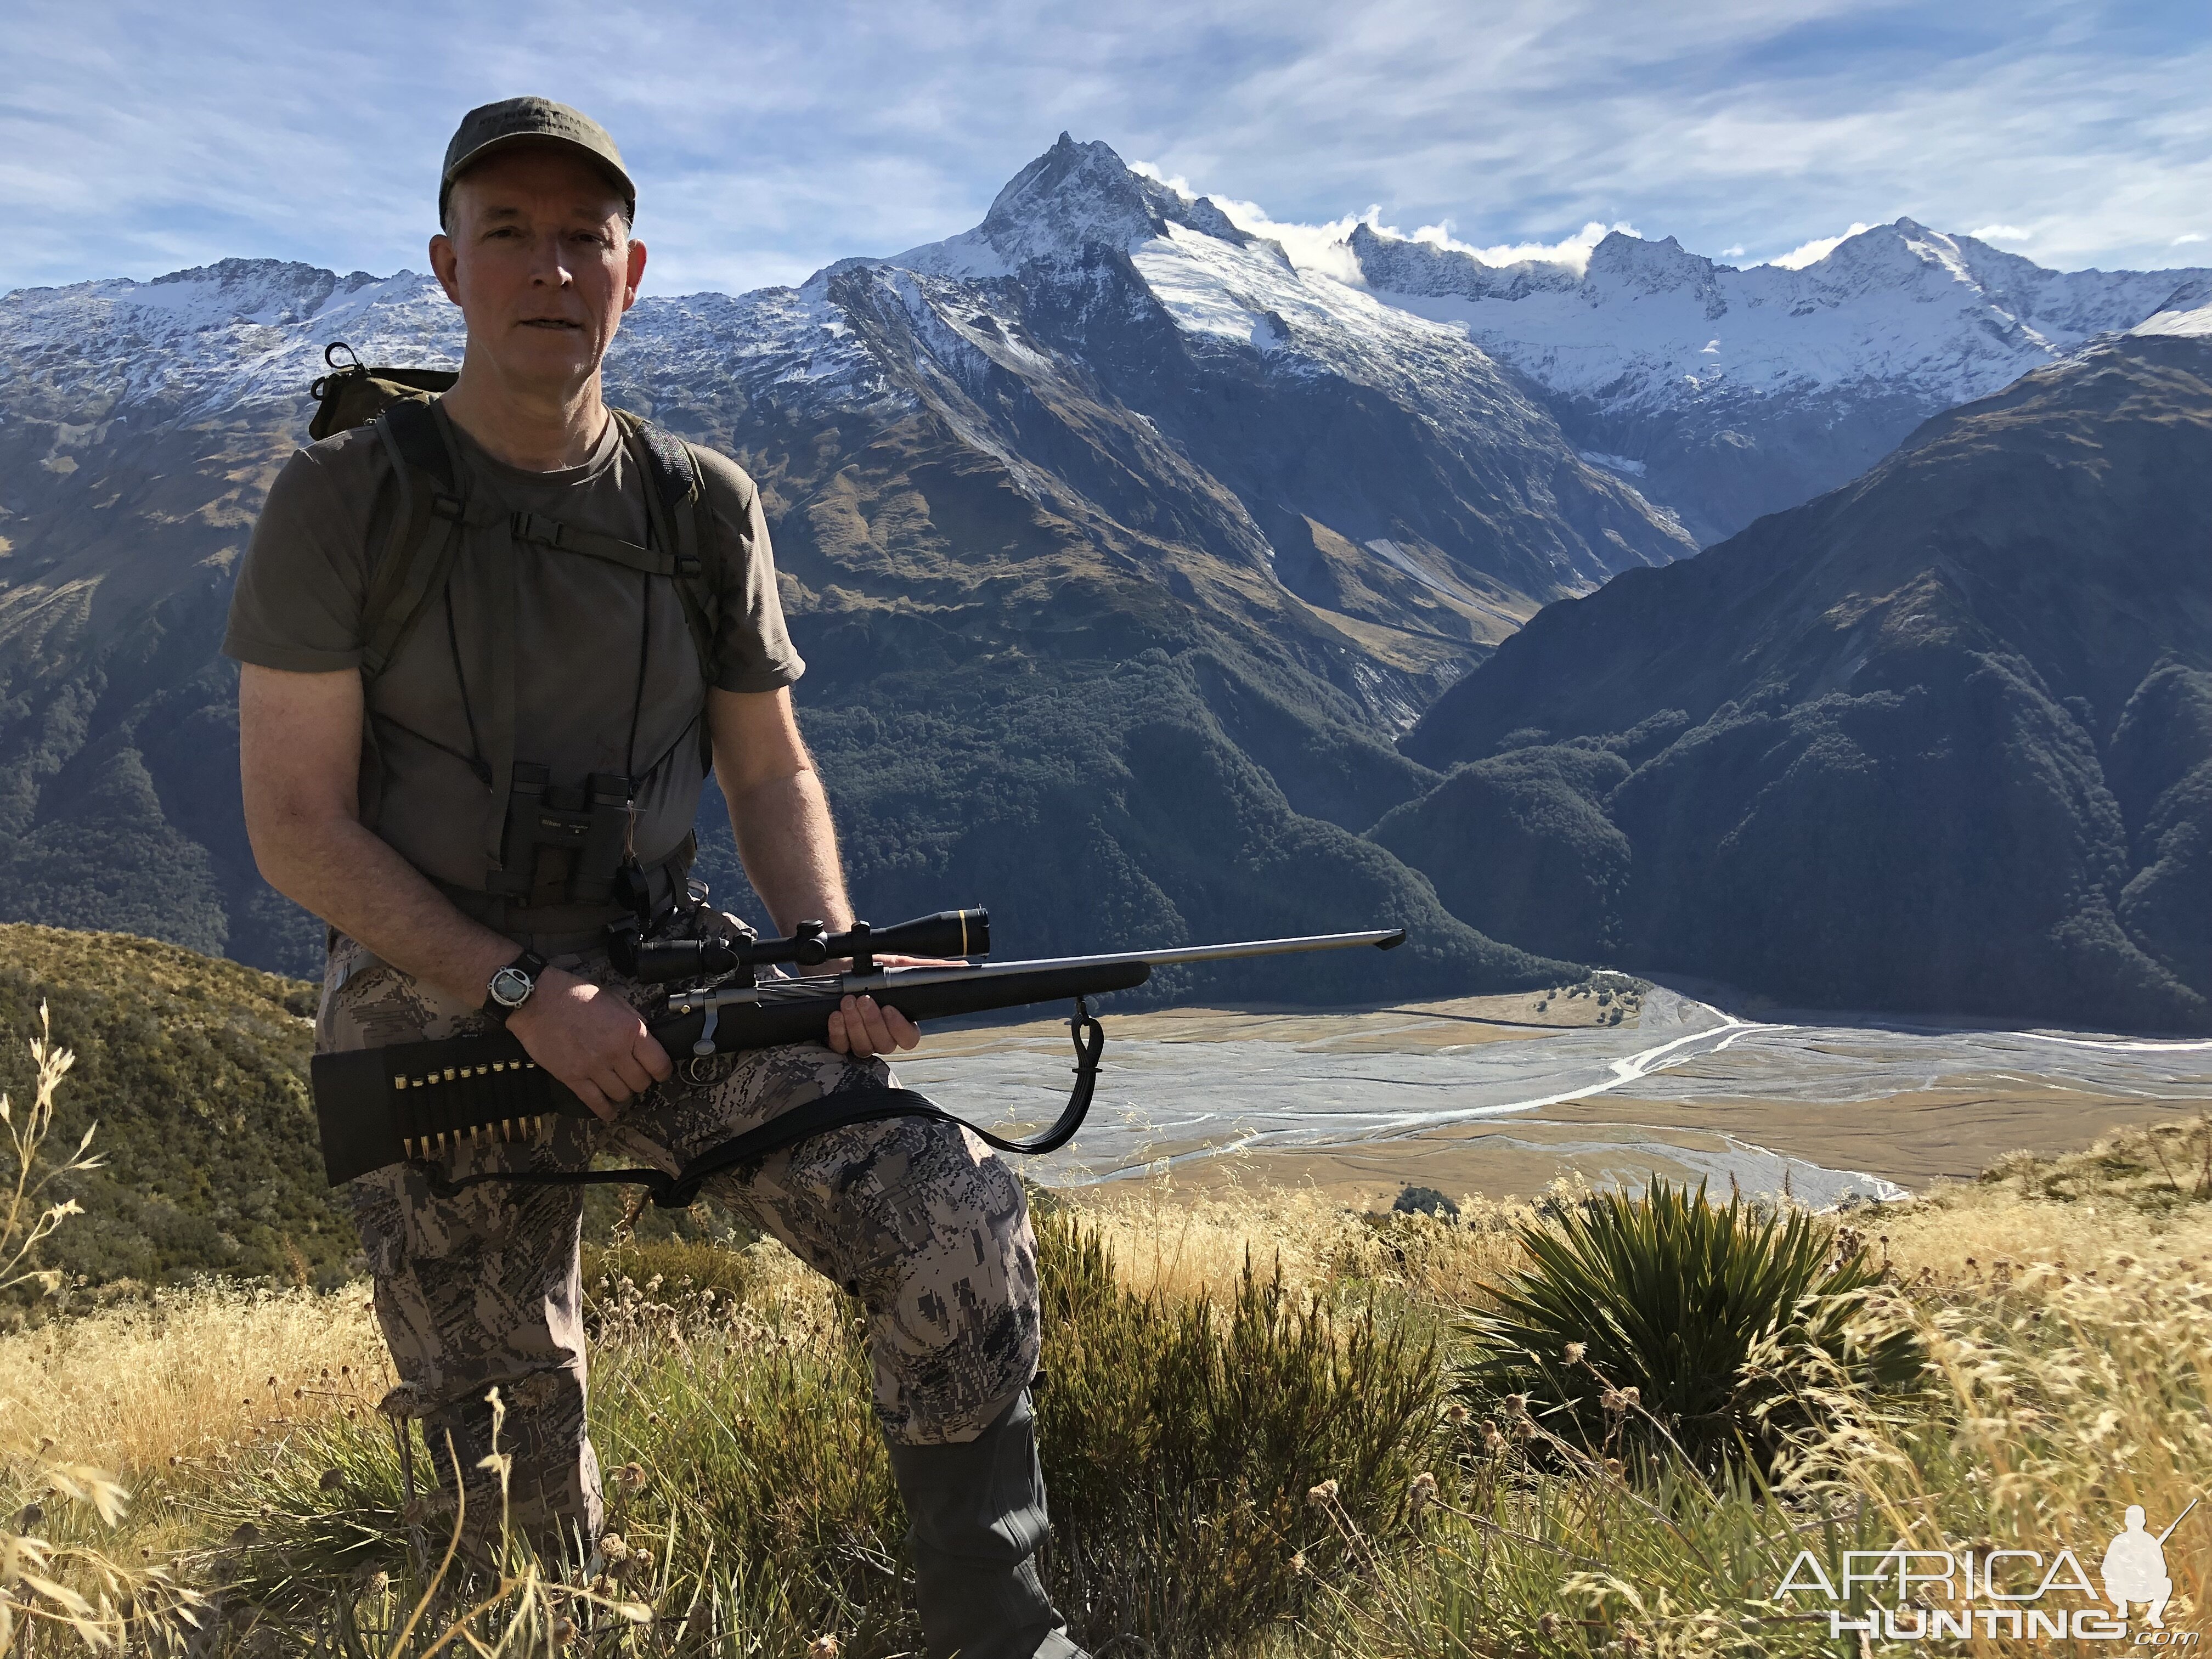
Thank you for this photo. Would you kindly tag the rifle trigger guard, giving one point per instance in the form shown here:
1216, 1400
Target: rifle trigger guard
704, 1048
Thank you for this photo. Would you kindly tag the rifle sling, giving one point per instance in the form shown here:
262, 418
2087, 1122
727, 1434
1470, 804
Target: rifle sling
869, 1103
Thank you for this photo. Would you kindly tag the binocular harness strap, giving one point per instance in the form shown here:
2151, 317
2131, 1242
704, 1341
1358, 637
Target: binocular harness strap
870, 1104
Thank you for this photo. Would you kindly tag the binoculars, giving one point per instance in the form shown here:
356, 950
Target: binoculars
565, 845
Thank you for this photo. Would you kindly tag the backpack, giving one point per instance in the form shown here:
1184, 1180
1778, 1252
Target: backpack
418, 558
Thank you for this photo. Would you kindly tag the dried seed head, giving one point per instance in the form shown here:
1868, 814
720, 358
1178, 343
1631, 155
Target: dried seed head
824, 1647
1299, 1562
378, 1583
1455, 1413
332, 1481
1631, 1398
1615, 1468
33, 1518
1423, 1490
1492, 1442
630, 1477
1549, 1625
612, 1549
1574, 1351
1322, 1495
563, 1632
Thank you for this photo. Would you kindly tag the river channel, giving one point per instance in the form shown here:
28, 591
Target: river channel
1780, 1101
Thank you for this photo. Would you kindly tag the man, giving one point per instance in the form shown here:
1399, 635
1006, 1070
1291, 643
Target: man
378, 796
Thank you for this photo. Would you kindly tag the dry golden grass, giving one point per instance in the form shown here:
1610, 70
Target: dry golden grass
2069, 1310
1962, 1235
1181, 1245
165, 1392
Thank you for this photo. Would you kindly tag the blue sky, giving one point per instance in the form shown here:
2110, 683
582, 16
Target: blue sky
768, 141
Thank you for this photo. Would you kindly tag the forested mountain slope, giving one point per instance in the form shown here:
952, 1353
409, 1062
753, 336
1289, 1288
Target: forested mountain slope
1940, 739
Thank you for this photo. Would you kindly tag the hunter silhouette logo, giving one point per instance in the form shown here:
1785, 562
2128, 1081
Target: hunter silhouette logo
1943, 1595
2135, 1567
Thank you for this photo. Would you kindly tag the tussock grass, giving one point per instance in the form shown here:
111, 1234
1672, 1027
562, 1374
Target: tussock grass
1669, 1326
1251, 1440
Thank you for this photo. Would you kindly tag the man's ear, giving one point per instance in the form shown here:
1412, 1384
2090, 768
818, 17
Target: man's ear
636, 273
445, 263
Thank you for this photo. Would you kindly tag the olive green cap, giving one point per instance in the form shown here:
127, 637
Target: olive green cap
490, 128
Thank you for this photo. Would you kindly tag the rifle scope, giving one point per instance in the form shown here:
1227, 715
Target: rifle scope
947, 934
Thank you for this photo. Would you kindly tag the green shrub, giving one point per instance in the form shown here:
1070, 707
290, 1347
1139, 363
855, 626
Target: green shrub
1182, 1441
1732, 1328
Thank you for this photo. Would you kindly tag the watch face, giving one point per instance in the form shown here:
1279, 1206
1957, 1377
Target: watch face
511, 986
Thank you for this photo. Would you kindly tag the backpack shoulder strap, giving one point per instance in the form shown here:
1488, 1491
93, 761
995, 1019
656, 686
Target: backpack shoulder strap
676, 506
425, 538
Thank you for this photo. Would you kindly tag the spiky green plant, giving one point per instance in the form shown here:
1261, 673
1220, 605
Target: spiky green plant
1663, 1323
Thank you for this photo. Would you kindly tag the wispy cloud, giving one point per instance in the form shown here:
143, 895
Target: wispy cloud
1818, 248
2001, 233
769, 139
1570, 250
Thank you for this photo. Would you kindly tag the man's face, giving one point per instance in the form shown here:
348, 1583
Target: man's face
541, 264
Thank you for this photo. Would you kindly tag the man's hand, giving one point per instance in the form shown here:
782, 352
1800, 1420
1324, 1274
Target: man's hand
863, 1028
592, 1040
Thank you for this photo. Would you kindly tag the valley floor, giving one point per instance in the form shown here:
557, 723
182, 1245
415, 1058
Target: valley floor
1500, 1095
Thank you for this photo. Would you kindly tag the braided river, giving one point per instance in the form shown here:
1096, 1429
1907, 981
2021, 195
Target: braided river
1484, 1097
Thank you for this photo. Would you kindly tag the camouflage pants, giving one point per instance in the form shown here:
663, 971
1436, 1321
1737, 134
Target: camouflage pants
916, 1219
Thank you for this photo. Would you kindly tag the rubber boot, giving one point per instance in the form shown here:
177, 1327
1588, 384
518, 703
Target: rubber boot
975, 1516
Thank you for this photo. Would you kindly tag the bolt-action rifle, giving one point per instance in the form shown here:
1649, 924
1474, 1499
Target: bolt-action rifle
418, 1102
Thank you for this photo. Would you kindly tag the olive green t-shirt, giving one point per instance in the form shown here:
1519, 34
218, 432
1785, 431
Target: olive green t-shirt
606, 674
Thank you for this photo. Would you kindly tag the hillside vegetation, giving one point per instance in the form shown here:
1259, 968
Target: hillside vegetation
1941, 740
1268, 1429
195, 1069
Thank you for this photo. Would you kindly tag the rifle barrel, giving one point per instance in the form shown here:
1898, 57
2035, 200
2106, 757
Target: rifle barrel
2178, 1519
1383, 938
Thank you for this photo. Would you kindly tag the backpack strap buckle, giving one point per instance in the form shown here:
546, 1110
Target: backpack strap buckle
532, 527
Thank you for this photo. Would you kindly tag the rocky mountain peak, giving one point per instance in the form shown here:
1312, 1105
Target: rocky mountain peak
1074, 196
1624, 261
250, 290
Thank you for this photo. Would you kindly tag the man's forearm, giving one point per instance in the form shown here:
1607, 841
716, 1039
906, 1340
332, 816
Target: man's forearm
354, 880
789, 849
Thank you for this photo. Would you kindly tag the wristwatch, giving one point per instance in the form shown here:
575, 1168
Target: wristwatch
511, 986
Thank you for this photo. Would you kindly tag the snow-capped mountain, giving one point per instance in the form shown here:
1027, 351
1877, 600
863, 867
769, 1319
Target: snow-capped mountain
1105, 429
1726, 393
1120, 545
